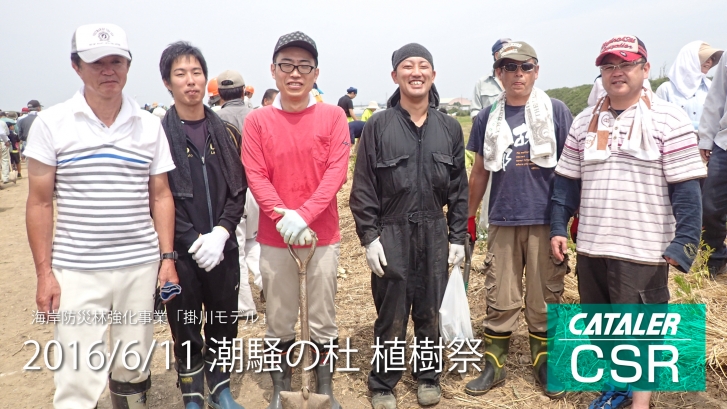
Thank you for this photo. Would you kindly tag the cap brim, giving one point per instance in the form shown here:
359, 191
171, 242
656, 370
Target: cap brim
515, 57
230, 86
624, 55
96, 54
301, 44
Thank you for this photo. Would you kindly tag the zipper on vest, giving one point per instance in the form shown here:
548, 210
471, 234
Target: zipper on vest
206, 182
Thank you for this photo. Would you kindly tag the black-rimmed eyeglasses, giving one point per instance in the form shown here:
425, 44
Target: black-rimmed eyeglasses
288, 68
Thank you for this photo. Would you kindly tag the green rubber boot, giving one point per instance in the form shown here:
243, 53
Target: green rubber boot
539, 355
497, 346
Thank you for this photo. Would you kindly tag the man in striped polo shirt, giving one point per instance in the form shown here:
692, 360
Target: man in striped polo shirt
106, 159
632, 165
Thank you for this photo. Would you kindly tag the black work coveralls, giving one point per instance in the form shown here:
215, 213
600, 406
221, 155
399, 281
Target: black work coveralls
404, 177
212, 205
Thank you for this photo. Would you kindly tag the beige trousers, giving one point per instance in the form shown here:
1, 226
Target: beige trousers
280, 284
512, 251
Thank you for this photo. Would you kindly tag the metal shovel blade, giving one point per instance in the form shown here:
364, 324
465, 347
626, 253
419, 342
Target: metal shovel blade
304, 399
298, 400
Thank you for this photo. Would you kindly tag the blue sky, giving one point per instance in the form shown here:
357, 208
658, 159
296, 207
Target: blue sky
355, 39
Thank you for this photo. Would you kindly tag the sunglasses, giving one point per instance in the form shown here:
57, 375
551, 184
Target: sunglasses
512, 67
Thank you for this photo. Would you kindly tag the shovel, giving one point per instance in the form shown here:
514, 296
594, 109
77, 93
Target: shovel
304, 399
468, 249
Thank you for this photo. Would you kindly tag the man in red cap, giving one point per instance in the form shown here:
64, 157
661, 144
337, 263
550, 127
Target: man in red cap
630, 152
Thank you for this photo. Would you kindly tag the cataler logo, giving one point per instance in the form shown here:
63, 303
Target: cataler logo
653, 347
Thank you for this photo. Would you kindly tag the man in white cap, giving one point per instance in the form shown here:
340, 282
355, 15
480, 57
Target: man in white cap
369, 111
99, 151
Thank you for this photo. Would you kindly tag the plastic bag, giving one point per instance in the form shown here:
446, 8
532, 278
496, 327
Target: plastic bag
454, 314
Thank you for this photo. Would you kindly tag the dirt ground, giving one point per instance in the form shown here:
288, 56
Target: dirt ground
356, 314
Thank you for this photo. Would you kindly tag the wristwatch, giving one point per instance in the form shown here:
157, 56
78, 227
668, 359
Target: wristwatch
170, 256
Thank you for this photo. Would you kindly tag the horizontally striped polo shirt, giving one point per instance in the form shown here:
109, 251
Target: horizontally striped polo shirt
101, 184
625, 211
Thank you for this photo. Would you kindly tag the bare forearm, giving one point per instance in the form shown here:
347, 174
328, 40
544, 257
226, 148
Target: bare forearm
39, 225
163, 215
477, 187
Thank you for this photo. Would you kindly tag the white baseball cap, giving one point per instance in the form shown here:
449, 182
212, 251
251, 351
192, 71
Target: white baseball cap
95, 41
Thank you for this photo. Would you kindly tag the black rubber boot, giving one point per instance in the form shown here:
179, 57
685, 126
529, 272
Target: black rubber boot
218, 382
191, 382
324, 372
283, 378
125, 395
497, 346
539, 355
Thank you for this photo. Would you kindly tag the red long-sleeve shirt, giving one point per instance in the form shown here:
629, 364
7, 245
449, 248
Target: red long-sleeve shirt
297, 161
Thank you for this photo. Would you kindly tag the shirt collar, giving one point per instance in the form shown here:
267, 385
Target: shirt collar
129, 108
278, 105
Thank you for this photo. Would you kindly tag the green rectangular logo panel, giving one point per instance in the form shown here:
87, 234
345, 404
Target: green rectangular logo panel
655, 347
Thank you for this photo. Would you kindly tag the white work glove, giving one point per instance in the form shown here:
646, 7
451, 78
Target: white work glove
456, 254
375, 257
208, 248
290, 226
305, 238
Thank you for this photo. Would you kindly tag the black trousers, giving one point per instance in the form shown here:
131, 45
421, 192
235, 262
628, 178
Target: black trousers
604, 280
714, 203
414, 282
217, 291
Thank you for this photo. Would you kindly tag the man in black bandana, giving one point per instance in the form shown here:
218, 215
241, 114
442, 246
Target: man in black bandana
209, 188
409, 166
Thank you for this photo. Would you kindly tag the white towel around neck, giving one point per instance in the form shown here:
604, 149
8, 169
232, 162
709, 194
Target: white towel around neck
541, 132
639, 142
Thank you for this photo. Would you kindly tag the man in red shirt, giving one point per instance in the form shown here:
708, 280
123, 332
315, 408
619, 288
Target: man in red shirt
296, 157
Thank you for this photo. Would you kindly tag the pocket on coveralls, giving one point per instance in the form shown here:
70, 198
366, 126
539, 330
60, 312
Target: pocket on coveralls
395, 241
393, 175
440, 172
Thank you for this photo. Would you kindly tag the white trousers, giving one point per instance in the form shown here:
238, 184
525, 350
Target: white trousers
5, 161
127, 291
249, 250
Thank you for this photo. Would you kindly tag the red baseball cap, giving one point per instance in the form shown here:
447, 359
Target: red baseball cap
627, 47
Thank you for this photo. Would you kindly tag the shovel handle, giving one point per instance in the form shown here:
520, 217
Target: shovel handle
303, 304
302, 264
468, 247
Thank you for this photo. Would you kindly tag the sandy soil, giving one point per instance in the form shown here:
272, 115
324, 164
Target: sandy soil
356, 314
